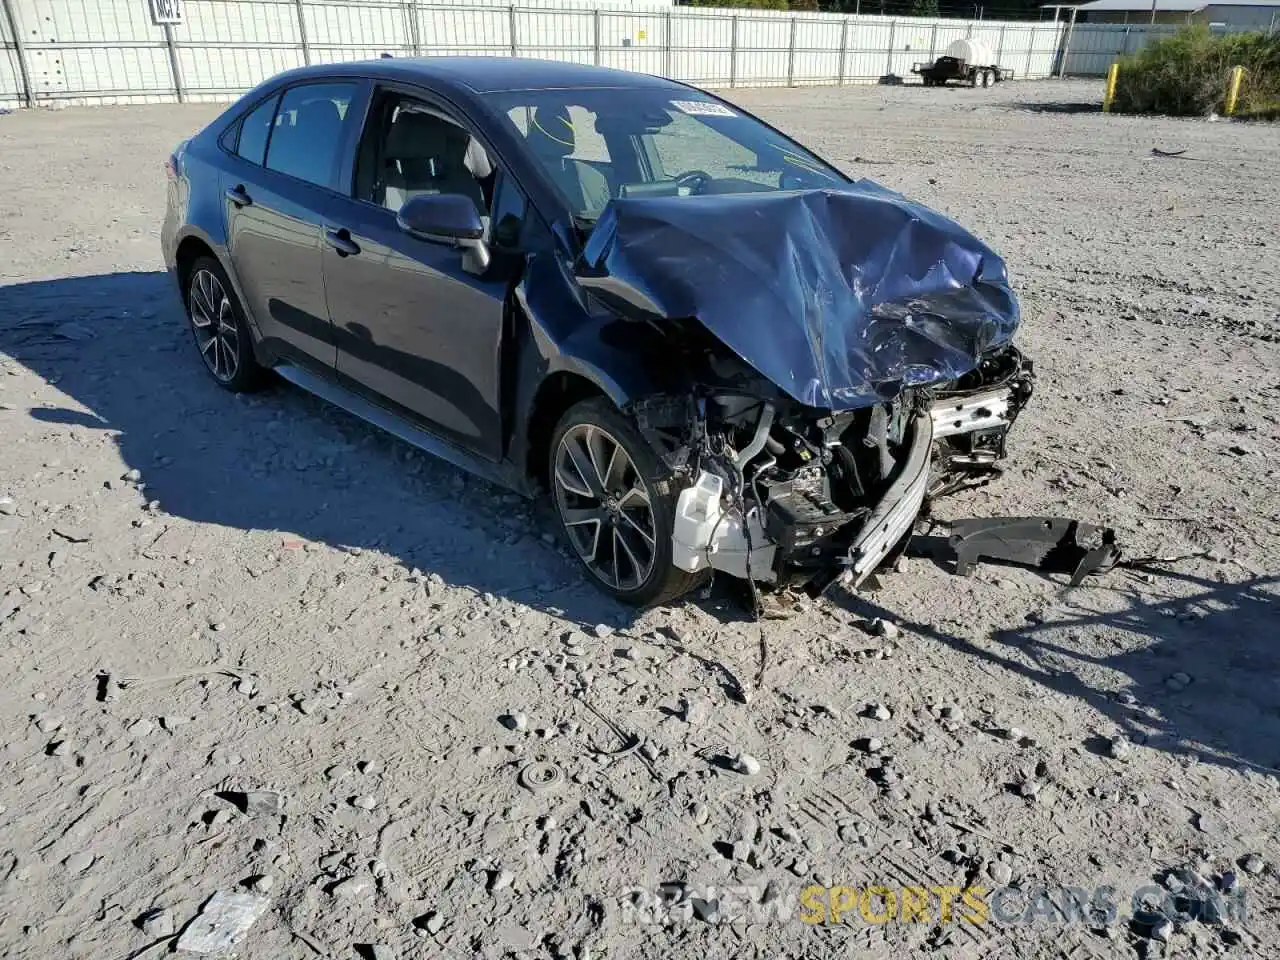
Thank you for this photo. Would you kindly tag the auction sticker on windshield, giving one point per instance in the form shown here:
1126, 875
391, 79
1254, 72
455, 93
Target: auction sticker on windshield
702, 108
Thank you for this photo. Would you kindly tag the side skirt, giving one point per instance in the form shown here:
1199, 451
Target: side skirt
502, 475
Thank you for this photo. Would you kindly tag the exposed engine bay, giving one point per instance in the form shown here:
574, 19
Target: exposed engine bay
783, 493
835, 359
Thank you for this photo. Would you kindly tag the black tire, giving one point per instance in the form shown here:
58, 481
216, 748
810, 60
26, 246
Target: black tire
664, 581
211, 304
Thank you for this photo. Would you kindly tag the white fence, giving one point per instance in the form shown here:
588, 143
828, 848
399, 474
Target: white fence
106, 51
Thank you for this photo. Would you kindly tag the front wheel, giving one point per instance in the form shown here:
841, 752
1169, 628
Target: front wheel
614, 505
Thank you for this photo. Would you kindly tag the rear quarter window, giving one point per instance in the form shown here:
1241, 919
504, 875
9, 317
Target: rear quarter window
254, 130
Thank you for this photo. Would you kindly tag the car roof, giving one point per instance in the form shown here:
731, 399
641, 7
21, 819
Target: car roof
490, 74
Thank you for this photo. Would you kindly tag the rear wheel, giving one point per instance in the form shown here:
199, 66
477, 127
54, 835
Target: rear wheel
219, 327
614, 505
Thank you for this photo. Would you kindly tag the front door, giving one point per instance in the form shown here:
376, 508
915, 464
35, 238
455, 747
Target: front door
413, 328
276, 195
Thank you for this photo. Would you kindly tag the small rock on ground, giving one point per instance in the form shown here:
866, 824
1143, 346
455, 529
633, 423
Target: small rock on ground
157, 923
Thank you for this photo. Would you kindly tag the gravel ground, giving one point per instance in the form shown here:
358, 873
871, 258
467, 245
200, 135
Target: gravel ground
291, 648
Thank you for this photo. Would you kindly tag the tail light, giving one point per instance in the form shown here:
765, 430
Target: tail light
173, 164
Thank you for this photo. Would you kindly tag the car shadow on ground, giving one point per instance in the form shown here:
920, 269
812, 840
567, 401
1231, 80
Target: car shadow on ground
1221, 637
119, 348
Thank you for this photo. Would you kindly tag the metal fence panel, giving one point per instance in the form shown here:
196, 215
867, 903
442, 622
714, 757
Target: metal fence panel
228, 46
353, 31
816, 50
763, 44
105, 50
481, 30
702, 49
11, 93
1094, 46
630, 41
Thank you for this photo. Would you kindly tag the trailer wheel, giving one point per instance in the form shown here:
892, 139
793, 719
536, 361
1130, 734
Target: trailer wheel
973, 78
986, 78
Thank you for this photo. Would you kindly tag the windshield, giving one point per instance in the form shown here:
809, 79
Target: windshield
597, 144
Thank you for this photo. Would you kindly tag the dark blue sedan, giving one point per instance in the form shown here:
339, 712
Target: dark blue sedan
713, 349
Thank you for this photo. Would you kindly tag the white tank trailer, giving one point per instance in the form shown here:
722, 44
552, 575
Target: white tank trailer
964, 60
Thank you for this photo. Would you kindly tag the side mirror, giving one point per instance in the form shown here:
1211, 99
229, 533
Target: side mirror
447, 218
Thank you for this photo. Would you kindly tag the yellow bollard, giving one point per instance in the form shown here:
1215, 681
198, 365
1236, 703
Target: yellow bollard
1113, 73
1233, 90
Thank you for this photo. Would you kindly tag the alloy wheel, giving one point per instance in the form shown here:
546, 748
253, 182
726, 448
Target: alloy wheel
214, 324
605, 506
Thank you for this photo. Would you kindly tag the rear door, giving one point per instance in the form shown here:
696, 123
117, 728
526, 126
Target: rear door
277, 191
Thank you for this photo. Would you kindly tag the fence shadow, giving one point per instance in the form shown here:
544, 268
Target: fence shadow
1221, 635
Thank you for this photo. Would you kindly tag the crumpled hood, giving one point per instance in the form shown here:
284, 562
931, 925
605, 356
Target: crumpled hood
840, 297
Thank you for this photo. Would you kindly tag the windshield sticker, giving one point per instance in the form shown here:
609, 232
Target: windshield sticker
702, 108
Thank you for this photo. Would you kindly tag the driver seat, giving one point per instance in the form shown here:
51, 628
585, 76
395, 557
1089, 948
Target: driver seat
552, 140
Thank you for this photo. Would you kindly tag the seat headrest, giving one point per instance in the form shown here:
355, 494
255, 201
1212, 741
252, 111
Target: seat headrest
477, 160
416, 136
551, 132
317, 114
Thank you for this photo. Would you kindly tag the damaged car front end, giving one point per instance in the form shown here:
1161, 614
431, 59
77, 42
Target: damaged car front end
837, 358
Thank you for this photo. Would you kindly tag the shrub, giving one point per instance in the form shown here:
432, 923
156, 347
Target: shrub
1187, 74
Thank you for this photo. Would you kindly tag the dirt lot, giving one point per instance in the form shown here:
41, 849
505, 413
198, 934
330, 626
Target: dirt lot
300, 604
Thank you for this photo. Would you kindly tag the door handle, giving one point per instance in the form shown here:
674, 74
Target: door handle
340, 239
239, 196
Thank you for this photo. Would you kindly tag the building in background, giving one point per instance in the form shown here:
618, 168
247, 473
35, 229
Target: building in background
1261, 15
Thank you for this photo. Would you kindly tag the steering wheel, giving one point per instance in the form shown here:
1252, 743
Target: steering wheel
693, 179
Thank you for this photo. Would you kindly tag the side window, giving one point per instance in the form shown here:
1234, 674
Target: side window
254, 130
410, 150
308, 132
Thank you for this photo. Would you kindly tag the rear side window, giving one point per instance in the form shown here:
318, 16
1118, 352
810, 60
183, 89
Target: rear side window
309, 130
254, 130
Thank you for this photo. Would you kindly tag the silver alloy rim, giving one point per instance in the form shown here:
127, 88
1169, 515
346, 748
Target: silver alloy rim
214, 325
605, 506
